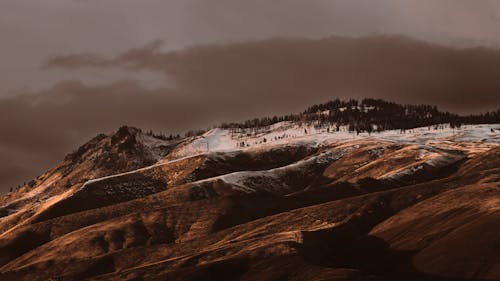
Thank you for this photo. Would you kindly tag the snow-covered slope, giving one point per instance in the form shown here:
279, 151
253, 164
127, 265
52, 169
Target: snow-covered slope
469, 138
135, 200
99, 158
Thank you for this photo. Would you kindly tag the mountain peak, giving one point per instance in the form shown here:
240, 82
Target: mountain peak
125, 131
253, 192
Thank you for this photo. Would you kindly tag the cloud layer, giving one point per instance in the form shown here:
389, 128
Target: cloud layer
298, 70
228, 82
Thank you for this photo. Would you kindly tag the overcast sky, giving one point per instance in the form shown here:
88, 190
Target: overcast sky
72, 68
32, 30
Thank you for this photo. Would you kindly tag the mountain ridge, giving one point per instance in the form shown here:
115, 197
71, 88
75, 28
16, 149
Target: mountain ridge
294, 200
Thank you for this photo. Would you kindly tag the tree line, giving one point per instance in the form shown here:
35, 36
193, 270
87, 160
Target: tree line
369, 115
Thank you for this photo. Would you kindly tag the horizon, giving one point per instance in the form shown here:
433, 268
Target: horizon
195, 132
77, 68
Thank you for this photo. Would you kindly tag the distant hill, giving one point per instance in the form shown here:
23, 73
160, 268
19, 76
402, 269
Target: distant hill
368, 115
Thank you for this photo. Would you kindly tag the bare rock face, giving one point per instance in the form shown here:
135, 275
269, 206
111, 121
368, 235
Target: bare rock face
129, 206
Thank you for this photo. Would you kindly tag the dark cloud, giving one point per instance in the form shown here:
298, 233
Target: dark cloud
75, 61
33, 30
142, 57
307, 70
216, 83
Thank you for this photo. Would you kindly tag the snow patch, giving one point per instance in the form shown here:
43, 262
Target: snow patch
274, 180
481, 137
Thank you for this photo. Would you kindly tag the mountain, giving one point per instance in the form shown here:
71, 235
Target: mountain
302, 198
127, 149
